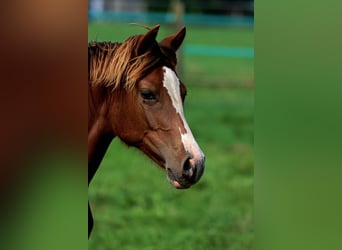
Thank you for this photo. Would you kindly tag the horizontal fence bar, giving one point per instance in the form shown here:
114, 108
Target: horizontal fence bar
169, 18
233, 52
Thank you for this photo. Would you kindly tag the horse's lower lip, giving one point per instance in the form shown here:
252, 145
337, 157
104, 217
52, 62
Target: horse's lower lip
179, 184
176, 184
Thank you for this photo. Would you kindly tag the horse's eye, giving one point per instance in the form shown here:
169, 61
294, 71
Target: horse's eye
148, 95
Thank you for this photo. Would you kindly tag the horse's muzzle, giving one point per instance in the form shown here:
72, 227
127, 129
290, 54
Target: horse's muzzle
190, 174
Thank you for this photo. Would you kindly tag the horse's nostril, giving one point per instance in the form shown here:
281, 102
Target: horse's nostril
187, 165
187, 168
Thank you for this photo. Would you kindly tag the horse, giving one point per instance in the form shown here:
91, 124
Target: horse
134, 93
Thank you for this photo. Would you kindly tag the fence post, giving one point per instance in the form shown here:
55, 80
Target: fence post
178, 10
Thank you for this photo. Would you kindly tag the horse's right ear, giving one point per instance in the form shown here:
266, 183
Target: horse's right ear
148, 40
174, 42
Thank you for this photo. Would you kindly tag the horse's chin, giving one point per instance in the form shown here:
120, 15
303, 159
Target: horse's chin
171, 178
161, 163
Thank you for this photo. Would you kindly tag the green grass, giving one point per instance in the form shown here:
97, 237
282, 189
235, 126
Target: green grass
134, 205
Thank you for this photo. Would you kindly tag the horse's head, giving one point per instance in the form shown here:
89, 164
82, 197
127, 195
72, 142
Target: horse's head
151, 115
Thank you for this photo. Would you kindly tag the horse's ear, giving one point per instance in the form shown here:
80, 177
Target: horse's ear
148, 40
174, 42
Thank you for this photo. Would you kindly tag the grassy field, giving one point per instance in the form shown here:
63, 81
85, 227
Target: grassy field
134, 205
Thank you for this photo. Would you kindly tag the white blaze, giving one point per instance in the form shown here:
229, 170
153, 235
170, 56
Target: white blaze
172, 84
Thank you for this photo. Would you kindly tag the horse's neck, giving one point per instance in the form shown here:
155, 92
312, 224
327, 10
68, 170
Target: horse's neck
99, 131
97, 108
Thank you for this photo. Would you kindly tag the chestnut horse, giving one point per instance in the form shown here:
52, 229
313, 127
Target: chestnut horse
134, 93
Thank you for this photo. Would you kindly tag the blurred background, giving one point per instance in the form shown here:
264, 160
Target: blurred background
133, 204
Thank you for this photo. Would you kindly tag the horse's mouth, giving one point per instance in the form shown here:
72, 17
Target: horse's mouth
179, 183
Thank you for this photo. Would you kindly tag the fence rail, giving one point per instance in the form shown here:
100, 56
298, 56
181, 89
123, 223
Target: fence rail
170, 18
219, 51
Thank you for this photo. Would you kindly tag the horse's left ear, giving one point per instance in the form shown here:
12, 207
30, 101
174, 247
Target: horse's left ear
148, 40
174, 42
